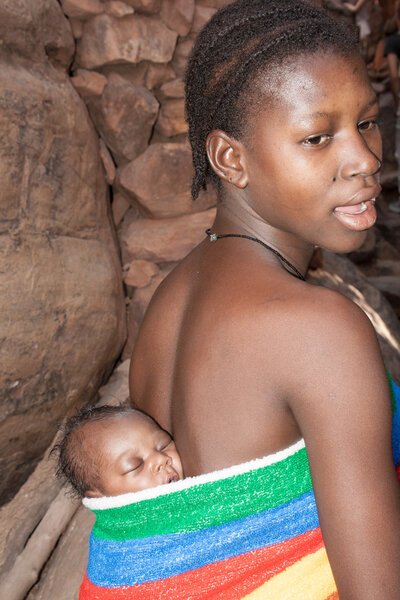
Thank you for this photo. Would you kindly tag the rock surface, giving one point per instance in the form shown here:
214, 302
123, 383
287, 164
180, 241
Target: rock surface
167, 194
178, 15
171, 120
165, 240
124, 116
107, 40
62, 310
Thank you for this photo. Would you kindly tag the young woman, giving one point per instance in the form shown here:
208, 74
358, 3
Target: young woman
238, 356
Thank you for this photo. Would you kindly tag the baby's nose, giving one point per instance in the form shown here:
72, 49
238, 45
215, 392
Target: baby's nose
160, 461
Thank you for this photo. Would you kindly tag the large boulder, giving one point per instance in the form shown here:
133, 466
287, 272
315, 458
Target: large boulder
62, 316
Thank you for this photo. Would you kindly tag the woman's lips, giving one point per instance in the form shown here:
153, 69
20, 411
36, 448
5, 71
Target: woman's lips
357, 217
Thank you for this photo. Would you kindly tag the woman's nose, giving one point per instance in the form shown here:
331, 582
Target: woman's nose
360, 158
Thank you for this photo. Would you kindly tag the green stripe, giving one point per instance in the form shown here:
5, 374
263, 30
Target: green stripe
392, 394
208, 504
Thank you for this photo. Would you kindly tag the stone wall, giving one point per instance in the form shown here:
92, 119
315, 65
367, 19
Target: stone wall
129, 66
62, 313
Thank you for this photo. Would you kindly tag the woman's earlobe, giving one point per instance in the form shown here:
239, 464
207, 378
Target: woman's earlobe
225, 155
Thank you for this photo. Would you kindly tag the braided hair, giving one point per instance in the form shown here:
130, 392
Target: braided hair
240, 42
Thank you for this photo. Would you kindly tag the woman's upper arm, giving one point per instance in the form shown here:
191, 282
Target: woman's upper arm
343, 408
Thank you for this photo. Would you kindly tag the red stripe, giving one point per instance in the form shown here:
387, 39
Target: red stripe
225, 580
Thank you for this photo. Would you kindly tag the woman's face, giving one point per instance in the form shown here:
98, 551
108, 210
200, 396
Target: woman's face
313, 154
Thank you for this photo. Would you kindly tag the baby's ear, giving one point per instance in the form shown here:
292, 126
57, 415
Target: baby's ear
226, 157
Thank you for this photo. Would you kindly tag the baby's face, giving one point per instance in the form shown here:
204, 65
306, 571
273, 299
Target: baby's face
135, 454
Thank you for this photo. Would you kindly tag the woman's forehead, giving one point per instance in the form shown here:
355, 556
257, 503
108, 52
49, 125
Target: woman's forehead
309, 82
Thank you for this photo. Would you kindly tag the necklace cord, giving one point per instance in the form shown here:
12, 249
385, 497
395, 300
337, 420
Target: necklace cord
295, 272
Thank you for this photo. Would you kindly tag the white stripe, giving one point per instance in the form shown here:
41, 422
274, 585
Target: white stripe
176, 486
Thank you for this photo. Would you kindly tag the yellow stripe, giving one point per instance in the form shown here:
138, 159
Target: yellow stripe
309, 579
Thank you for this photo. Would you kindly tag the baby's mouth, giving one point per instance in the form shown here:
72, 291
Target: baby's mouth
173, 477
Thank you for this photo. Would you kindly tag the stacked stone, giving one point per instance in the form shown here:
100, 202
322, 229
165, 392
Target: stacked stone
129, 66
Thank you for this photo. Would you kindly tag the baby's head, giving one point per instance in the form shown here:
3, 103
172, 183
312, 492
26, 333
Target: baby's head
111, 450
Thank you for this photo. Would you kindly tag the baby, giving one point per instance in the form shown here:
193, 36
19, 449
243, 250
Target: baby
113, 450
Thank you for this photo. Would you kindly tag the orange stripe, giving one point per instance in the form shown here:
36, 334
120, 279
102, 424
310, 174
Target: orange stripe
225, 580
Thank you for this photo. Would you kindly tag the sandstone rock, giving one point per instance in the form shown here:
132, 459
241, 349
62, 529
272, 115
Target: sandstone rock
82, 9
137, 308
77, 28
135, 74
148, 7
89, 83
118, 9
158, 74
171, 120
108, 164
164, 240
202, 14
178, 15
119, 206
24, 23
173, 89
168, 194
140, 273
61, 307
116, 391
340, 274
124, 116
110, 40
181, 55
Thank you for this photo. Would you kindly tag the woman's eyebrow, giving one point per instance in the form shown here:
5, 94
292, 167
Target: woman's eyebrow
371, 103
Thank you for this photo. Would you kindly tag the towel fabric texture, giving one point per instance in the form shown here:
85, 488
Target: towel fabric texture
250, 532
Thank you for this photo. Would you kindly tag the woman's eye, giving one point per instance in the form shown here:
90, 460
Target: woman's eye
367, 125
317, 140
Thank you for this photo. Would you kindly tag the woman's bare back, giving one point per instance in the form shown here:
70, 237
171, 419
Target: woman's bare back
211, 360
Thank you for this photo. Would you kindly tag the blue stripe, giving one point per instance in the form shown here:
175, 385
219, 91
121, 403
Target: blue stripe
133, 562
396, 426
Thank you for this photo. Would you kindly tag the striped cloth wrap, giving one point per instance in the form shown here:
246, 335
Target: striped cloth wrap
250, 532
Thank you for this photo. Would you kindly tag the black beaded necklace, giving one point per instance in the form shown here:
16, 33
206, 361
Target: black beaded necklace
295, 272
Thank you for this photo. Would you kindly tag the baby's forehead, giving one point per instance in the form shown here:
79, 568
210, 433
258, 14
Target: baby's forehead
134, 420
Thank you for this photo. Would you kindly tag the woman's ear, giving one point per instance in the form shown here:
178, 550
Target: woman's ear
226, 157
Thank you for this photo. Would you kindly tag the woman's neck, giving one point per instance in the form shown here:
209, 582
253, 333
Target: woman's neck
239, 217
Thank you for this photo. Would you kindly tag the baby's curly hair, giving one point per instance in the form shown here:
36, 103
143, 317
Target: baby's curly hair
76, 463
241, 41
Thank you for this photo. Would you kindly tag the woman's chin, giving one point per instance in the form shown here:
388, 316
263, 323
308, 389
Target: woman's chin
350, 244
